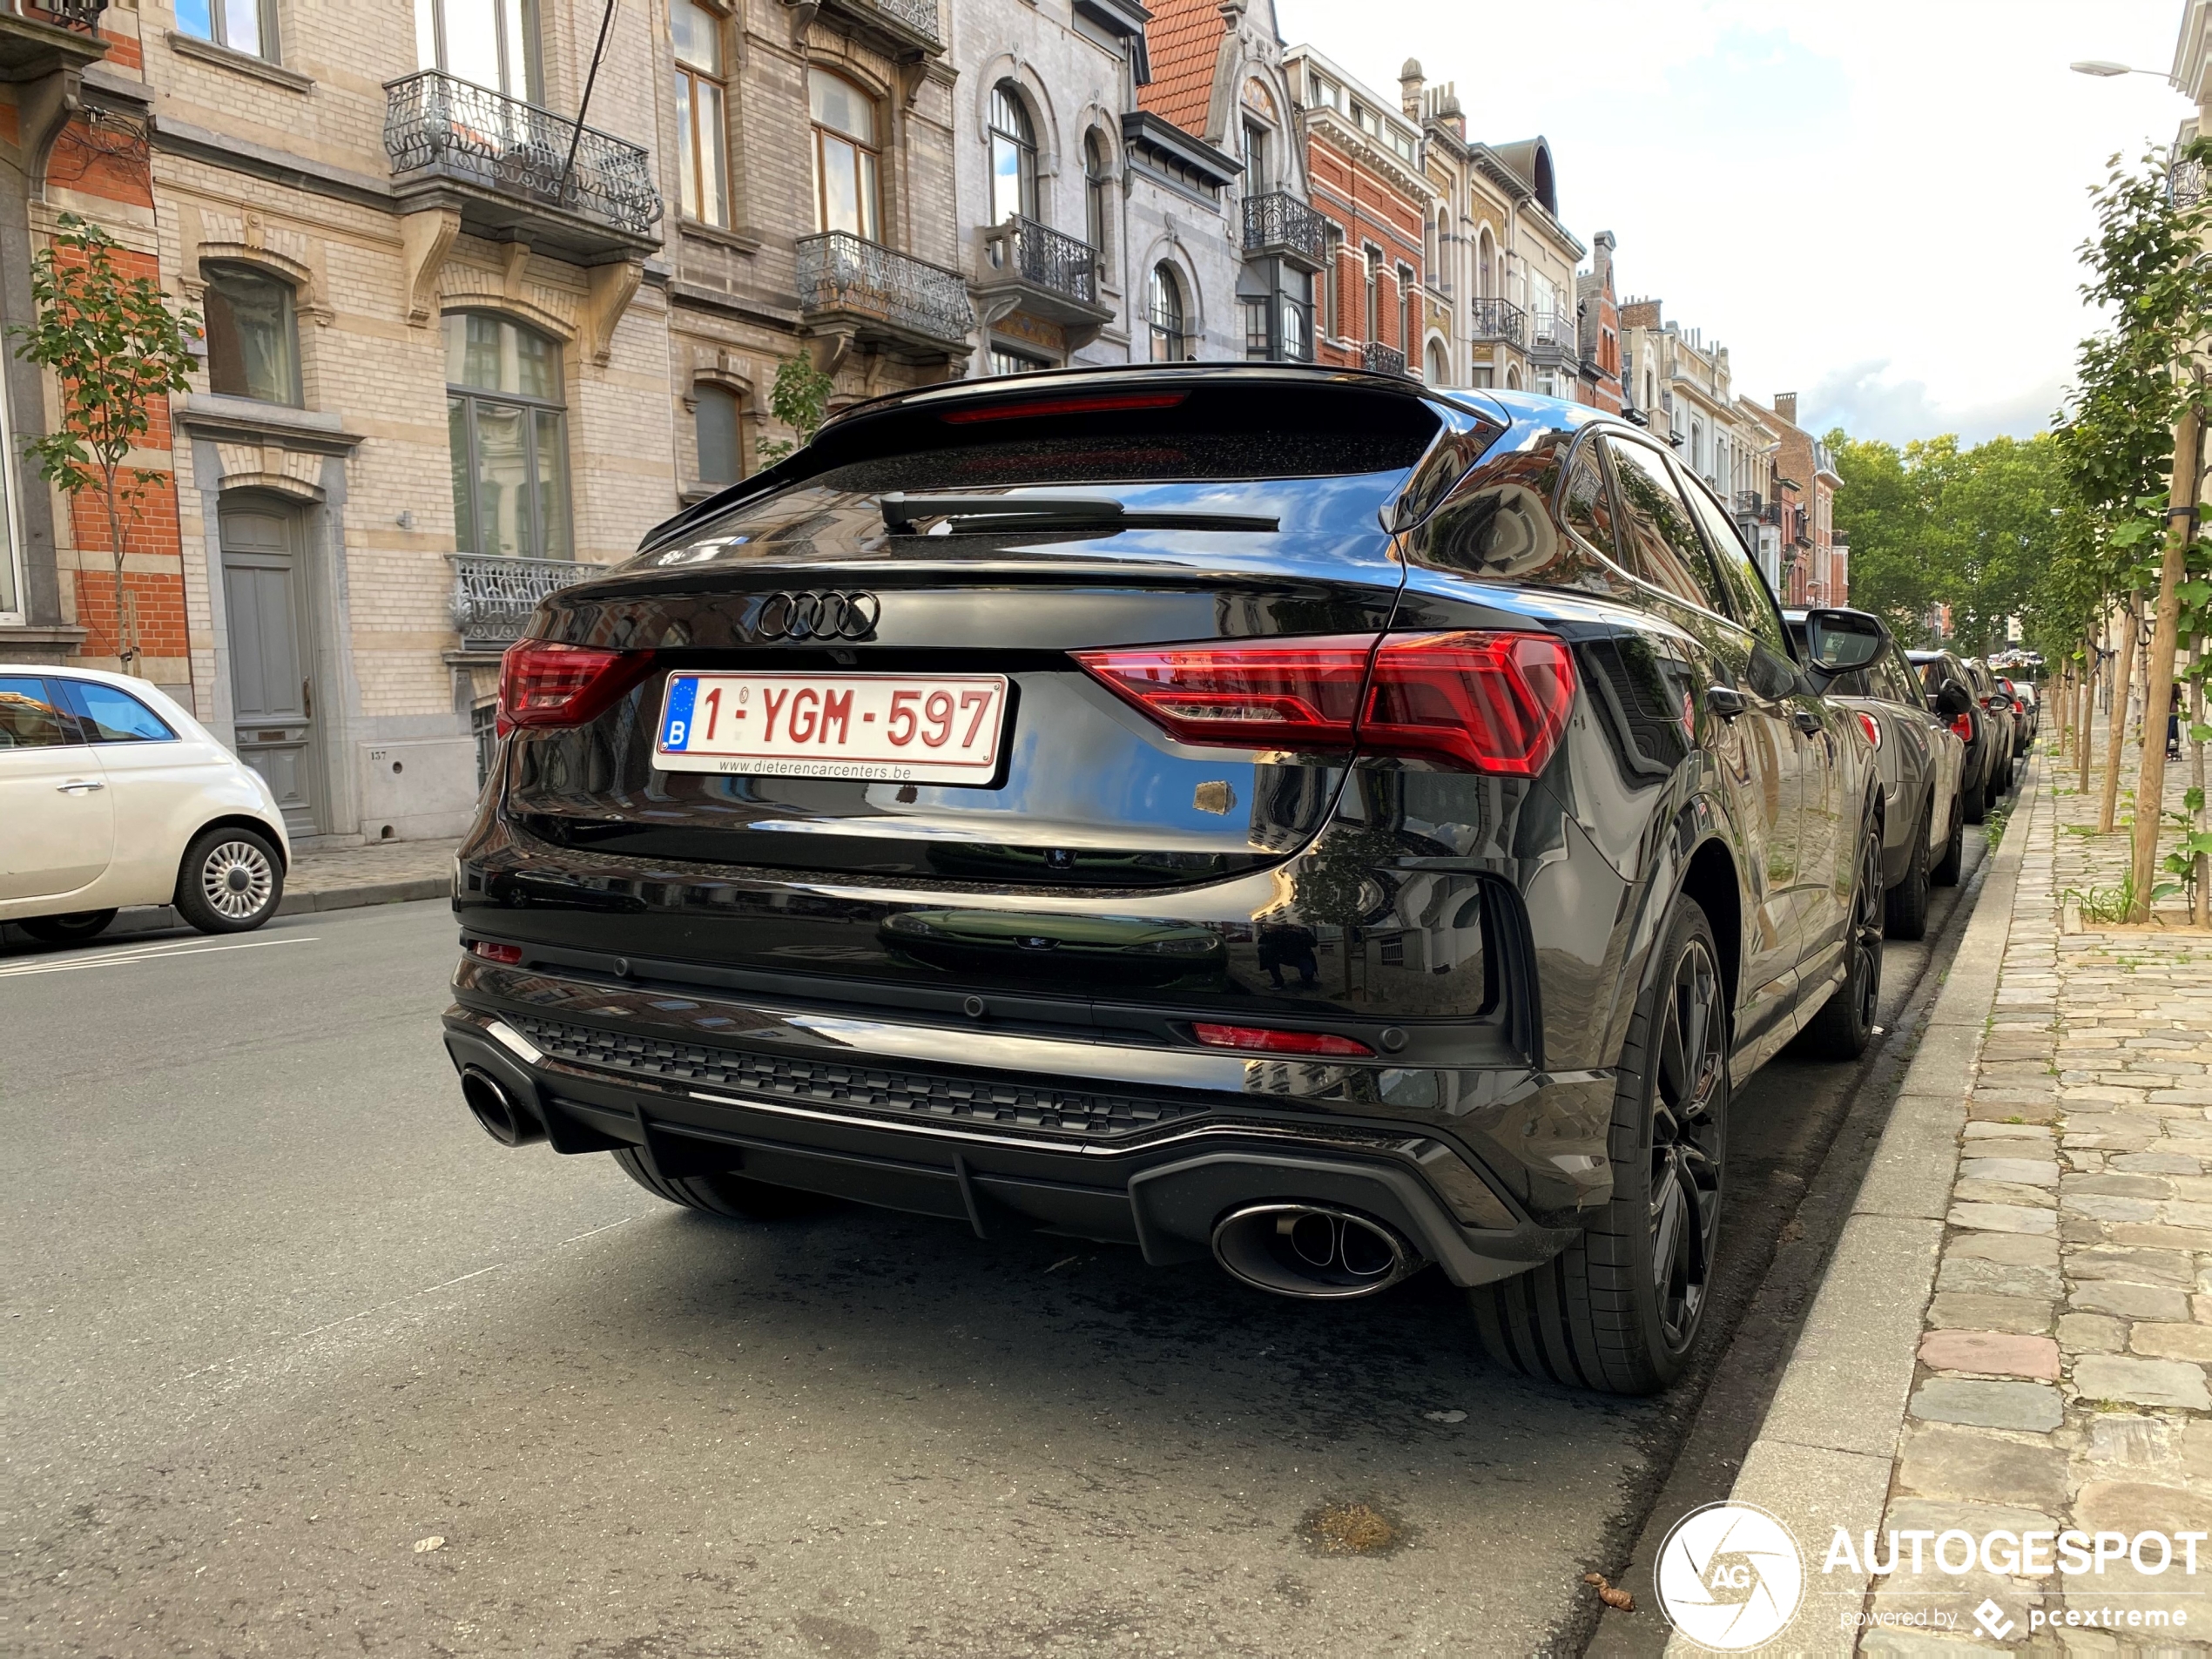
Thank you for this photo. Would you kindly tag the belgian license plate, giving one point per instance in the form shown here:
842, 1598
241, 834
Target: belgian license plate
884, 728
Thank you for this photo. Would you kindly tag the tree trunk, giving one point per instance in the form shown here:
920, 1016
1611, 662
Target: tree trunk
2116, 727
2202, 908
125, 646
2165, 640
2088, 720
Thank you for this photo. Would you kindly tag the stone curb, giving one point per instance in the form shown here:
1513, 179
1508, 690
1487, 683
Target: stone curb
161, 918
1823, 1454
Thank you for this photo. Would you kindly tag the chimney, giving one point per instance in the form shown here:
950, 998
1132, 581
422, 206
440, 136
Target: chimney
1601, 261
1409, 90
1639, 313
1785, 405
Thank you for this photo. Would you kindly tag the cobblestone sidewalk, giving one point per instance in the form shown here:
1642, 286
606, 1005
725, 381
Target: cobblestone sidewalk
2062, 1379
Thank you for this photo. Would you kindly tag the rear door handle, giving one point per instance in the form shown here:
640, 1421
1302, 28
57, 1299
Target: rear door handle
77, 784
1725, 701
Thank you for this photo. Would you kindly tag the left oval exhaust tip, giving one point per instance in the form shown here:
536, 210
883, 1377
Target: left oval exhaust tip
502, 1117
1317, 1252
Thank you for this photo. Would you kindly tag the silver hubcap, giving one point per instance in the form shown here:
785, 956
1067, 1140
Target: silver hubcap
237, 880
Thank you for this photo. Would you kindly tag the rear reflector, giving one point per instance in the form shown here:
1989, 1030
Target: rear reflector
1871, 726
1268, 1041
1473, 702
1081, 403
544, 682
508, 954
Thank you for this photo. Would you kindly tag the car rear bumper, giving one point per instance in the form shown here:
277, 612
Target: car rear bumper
1104, 1145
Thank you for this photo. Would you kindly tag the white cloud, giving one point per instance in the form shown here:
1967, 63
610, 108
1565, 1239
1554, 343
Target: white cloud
1882, 200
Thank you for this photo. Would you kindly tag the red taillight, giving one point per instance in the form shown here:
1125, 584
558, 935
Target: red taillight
1871, 726
544, 682
1477, 702
506, 955
2019, 707
1266, 1040
1963, 724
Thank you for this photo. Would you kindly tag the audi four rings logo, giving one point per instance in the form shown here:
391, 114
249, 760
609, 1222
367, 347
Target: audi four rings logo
817, 615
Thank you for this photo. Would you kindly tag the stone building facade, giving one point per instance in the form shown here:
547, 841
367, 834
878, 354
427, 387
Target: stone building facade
1815, 566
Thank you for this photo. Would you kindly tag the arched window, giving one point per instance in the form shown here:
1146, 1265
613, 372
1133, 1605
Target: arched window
702, 120
714, 423
1438, 370
253, 337
1014, 157
1513, 377
1295, 348
509, 437
845, 190
1164, 306
1098, 193
1485, 259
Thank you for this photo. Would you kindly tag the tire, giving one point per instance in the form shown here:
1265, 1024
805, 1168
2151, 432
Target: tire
1620, 1309
1906, 906
731, 1196
1974, 802
1844, 1024
72, 929
231, 881
1947, 871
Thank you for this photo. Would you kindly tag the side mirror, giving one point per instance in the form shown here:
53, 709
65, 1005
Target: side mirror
1839, 641
1953, 700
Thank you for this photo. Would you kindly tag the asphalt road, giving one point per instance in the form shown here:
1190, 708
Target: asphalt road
278, 1314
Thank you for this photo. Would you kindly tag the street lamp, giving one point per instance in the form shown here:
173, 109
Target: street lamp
2105, 69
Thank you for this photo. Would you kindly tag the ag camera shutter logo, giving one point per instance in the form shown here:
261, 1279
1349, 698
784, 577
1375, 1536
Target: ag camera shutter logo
1731, 1577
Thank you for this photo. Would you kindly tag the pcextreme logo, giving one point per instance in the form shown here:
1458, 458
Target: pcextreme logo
1730, 1576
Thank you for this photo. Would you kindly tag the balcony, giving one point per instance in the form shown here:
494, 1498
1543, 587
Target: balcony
1498, 320
1279, 226
1749, 504
494, 597
1378, 359
38, 38
2184, 180
1552, 337
917, 309
907, 25
1024, 266
513, 169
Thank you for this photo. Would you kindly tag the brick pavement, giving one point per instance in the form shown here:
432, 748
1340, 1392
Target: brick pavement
2061, 1380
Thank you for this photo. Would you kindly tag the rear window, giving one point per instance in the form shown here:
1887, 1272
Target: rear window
1318, 457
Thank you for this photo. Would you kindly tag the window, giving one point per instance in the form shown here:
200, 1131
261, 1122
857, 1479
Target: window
1658, 542
1749, 596
714, 423
1486, 377
1164, 307
1004, 361
1438, 370
1322, 93
1295, 346
509, 438
1367, 120
243, 25
1257, 179
1014, 157
1259, 330
109, 714
253, 338
493, 43
1485, 262
1098, 193
1408, 298
1587, 503
844, 156
702, 119
29, 716
1332, 285
1373, 320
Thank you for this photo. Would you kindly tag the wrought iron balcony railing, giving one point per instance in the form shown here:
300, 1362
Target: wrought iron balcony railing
82, 14
437, 121
1555, 331
1382, 359
2185, 183
1037, 253
839, 271
1279, 221
1749, 504
1499, 319
916, 16
493, 595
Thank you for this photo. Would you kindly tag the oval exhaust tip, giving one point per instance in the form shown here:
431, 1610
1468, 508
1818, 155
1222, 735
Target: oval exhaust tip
490, 1104
1314, 1251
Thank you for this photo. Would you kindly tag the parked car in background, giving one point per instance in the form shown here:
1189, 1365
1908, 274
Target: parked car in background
2026, 714
1919, 759
1952, 696
113, 795
2006, 724
1303, 818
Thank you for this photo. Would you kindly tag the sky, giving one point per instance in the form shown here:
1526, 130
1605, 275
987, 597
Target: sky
1876, 205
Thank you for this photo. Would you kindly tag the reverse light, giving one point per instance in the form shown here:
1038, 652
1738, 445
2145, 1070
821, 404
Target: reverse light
543, 681
506, 955
1472, 701
1266, 1040
1871, 726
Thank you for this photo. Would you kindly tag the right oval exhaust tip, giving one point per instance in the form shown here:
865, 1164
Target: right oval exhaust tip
490, 1103
1313, 1251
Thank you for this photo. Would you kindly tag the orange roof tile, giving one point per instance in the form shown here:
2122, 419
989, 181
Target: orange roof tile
1183, 40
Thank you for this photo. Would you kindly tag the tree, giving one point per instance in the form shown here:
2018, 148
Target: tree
799, 399
118, 351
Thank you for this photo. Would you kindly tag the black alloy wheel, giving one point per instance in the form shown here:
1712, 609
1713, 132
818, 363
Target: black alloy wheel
1974, 799
1846, 1024
1948, 867
1620, 1309
1906, 908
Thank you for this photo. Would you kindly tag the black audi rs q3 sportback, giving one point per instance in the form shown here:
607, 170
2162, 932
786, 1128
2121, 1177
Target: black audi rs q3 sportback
1293, 816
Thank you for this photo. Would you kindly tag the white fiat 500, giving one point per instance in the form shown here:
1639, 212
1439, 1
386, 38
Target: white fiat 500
113, 795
